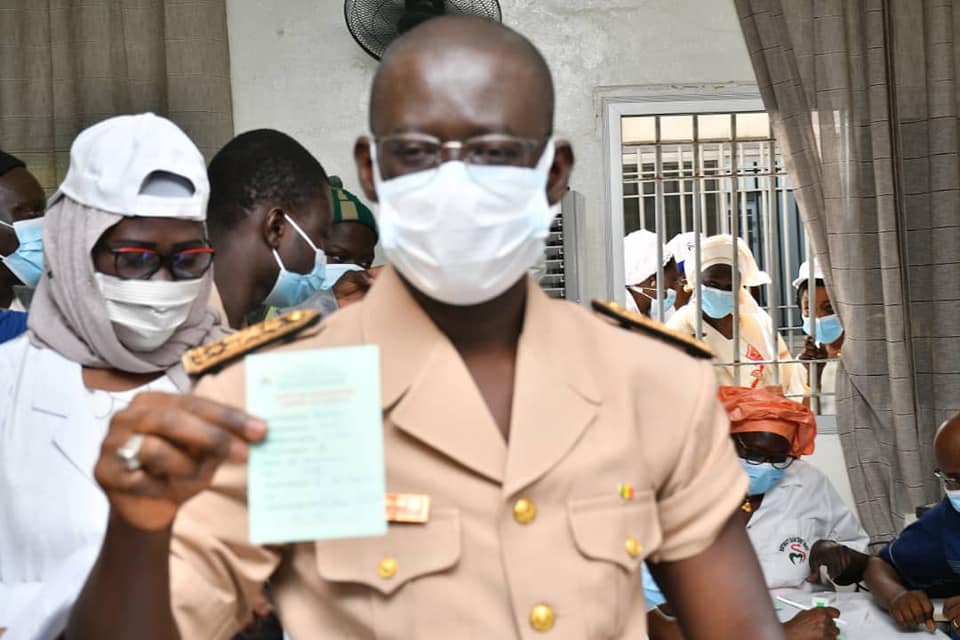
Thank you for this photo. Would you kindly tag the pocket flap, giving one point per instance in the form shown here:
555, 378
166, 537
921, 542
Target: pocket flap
406, 552
616, 530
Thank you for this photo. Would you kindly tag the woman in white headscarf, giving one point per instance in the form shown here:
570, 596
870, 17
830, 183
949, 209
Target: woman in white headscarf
640, 275
123, 296
758, 344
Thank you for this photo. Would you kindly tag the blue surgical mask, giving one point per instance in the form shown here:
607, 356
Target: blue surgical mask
670, 297
716, 303
26, 263
763, 477
954, 498
293, 288
829, 328
335, 271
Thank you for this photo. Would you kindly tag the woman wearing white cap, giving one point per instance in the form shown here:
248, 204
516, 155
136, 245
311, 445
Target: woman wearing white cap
758, 345
123, 295
824, 332
640, 275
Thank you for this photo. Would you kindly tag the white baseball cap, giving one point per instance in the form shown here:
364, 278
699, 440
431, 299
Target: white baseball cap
640, 256
682, 246
113, 162
719, 250
804, 274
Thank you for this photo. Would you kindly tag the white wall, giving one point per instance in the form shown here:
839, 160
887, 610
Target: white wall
296, 68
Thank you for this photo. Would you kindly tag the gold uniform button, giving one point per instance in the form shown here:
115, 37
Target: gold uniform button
542, 618
388, 568
524, 511
633, 547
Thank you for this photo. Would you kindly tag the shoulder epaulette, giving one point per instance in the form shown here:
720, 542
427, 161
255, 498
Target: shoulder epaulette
638, 322
212, 357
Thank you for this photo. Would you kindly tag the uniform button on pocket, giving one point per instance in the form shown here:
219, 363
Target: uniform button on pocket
542, 618
388, 568
524, 511
633, 547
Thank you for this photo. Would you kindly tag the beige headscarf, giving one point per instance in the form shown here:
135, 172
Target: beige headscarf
69, 314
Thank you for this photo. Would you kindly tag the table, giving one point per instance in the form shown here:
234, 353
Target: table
865, 620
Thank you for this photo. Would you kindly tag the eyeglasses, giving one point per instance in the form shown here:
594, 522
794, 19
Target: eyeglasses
757, 456
405, 153
949, 482
139, 263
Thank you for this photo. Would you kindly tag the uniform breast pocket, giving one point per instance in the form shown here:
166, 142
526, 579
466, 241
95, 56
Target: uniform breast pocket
377, 574
614, 536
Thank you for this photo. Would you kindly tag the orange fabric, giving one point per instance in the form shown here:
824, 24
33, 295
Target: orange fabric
766, 409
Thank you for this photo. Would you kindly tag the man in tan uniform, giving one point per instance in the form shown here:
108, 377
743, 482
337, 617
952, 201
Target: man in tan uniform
558, 451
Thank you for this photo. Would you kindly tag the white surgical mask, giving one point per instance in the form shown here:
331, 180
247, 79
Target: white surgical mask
145, 313
462, 236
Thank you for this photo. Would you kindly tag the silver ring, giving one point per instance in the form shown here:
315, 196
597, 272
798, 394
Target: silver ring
129, 452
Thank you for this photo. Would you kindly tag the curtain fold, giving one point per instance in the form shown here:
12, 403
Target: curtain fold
864, 98
65, 65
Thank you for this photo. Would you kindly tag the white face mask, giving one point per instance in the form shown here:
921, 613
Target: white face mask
464, 237
145, 313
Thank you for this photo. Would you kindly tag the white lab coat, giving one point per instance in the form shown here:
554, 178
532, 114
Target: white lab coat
800, 510
756, 344
52, 512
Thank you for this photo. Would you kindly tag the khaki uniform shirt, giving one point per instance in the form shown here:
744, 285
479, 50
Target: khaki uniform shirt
531, 538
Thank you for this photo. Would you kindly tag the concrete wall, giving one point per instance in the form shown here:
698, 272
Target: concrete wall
296, 68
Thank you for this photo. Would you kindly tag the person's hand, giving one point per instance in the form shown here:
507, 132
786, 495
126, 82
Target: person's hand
185, 438
951, 611
844, 565
813, 624
811, 351
911, 609
353, 286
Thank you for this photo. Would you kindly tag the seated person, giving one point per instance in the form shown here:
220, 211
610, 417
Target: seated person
640, 275
795, 519
21, 250
757, 345
828, 330
923, 562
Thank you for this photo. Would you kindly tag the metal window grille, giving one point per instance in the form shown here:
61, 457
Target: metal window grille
559, 278
720, 173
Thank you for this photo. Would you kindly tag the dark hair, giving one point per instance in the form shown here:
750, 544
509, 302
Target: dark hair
9, 162
259, 166
818, 282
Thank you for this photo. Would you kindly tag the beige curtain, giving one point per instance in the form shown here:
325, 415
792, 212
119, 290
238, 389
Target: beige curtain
65, 64
864, 97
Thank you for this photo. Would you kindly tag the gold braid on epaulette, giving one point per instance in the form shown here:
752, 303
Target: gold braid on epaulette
641, 323
212, 357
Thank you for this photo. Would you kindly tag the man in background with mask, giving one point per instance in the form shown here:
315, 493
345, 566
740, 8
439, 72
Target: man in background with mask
21, 249
640, 275
923, 562
350, 249
269, 219
517, 415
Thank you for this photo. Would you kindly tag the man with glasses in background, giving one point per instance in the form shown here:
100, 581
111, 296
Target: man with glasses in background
923, 562
795, 519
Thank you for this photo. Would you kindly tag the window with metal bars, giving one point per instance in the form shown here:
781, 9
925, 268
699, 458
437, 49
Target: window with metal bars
722, 173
